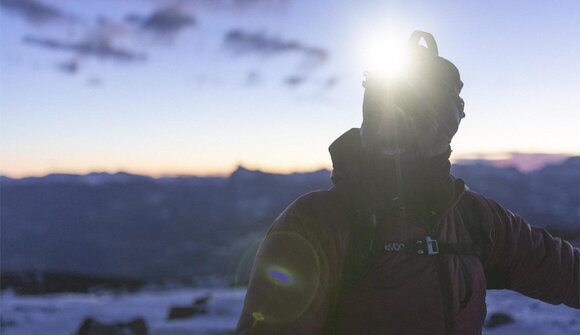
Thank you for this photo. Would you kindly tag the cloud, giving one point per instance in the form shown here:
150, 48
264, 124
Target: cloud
241, 42
330, 82
164, 22
69, 67
250, 4
168, 20
34, 11
252, 78
295, 80
99, 48
238, 6
95, 82
102, 39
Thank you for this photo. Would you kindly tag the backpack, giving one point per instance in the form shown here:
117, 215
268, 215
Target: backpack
363, 250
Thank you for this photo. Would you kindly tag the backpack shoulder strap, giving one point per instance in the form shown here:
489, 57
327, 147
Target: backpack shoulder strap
360, 254
473, 220
362, 247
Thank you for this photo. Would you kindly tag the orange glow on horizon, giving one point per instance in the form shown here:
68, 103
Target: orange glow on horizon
226, 169
217, 171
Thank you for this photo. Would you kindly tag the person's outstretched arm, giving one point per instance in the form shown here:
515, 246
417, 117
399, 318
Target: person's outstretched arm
292, 281
529, 260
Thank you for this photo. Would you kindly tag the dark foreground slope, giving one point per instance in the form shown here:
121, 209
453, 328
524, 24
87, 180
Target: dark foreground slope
198, 228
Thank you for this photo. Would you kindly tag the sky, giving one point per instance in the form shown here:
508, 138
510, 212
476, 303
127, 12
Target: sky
202, 86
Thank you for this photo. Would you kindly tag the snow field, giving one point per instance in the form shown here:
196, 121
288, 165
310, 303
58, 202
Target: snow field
62, 314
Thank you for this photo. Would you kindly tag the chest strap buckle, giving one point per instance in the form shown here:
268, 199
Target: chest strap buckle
432, 246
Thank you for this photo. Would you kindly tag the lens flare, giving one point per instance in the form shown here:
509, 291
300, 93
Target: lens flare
288, 268
245, 265
280, 276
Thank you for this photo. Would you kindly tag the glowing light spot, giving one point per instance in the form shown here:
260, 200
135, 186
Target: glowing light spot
258, 316
280, 276
290, 265
385, 54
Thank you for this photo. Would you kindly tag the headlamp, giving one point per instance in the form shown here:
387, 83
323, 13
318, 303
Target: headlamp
404, 106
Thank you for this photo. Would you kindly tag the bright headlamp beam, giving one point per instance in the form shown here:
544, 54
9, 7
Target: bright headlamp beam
386, 57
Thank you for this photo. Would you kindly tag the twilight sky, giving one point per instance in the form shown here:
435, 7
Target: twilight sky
200, 86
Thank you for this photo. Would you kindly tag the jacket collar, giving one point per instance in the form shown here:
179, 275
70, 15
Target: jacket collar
400, 184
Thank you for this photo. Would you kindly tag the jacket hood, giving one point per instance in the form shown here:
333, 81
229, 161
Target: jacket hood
345, 150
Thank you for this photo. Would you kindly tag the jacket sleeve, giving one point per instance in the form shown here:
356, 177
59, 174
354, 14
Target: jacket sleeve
291, 281
529, 260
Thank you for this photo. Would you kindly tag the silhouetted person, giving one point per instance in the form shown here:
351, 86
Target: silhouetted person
398, 245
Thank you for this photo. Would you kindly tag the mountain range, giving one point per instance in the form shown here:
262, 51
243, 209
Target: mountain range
204, 229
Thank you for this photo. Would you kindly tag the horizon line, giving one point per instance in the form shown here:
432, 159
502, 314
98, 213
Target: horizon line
498, 157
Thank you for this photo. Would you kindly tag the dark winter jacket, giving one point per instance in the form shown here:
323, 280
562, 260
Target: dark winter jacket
297, 282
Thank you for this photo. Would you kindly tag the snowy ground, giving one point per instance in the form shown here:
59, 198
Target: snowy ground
61, 314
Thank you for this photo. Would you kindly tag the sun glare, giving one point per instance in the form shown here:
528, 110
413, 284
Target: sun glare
385, 54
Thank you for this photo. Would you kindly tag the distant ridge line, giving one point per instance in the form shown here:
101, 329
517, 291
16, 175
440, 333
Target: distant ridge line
522, 162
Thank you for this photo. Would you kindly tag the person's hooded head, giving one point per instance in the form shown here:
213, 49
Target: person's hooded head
417, 112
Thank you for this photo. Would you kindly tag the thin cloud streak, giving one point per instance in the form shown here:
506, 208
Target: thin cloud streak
96, 48
69, 67
242, 42
295, 81
35, 11
237, 6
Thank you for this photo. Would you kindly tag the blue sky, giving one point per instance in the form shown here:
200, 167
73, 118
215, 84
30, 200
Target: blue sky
200, 86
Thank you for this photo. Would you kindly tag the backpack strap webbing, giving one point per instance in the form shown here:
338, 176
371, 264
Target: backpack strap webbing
472, 218
361, 253
363, 249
